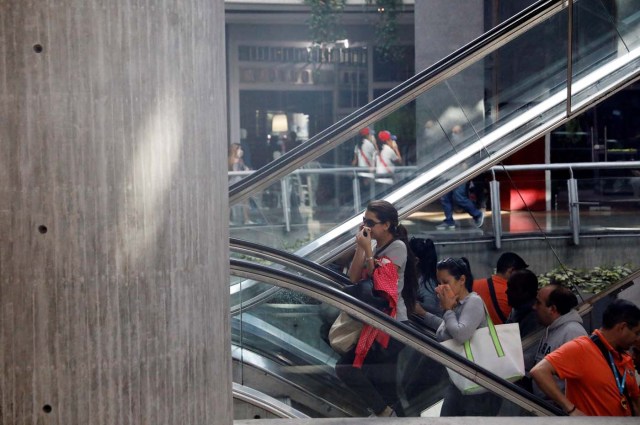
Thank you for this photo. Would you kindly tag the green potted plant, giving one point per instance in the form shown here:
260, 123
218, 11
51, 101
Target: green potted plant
589, 282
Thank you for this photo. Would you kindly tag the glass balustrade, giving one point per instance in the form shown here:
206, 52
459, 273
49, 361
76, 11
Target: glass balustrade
281, 347
455, 129
461, 122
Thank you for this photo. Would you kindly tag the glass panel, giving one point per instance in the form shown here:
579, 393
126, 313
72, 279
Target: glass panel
496, 102
460, 125
605, 37
281, 348
457, 133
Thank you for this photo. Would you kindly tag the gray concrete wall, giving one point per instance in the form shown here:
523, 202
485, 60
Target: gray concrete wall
543, 255
113, 213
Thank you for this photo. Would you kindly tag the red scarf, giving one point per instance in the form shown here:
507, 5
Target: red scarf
385, 279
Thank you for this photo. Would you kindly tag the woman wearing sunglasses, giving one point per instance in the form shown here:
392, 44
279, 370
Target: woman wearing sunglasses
464, 312
380, 239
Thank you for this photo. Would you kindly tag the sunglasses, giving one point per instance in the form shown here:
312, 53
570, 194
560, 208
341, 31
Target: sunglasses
370, 223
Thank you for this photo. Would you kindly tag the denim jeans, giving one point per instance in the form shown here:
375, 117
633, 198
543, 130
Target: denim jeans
458, 196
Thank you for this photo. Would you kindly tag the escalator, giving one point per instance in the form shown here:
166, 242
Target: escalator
280, 346
280, 343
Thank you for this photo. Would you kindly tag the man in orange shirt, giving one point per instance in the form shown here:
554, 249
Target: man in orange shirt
599, 374
498, 305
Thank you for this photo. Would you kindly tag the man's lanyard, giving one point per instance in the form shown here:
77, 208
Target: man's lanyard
621, 385
619, 382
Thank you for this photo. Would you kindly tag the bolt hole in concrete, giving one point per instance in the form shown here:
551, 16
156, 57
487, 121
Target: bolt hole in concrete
38, 48
47, 408
42, 229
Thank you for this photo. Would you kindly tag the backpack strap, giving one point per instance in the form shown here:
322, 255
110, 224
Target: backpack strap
384, 164
494, 299
366, 160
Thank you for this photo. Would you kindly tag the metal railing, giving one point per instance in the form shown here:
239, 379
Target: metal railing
572, 190
355, 173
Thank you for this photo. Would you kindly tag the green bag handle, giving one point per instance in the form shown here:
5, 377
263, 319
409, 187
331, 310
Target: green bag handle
494, 338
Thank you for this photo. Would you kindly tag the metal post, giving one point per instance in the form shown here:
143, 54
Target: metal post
569, 54
284, 186
356, 193
574, 209
496, 216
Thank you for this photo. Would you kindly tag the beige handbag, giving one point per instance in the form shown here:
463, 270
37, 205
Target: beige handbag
344, 333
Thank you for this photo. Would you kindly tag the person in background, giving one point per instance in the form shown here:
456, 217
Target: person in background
427, 258
365, 153
374, 377
387, 159
464, 312
365, 156
635, 356
236, 163
599, 374
555, 310
522, 288
460, 195
498, 305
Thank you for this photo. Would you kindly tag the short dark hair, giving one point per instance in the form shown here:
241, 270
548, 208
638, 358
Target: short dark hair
620, 311
562, 298
527, 281
509, 260
425, 252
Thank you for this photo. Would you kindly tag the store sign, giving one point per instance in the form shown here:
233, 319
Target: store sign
287, 75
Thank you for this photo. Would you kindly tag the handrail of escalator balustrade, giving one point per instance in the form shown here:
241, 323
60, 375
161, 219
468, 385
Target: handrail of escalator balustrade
405, 334
259, 399
289, 260
393, 99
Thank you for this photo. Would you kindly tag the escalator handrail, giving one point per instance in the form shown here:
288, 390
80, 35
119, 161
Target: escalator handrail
394, 98
405, 334
266, 402
289, 260
259, 250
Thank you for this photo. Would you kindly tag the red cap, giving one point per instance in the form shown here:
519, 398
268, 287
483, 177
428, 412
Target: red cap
364, 131
384, 135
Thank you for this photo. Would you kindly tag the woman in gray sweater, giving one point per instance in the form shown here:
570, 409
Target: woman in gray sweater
464, 312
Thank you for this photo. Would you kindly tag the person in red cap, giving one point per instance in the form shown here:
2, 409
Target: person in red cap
365, 152
387, 159
364, 156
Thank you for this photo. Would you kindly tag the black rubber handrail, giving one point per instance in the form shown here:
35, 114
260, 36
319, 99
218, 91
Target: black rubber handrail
287, 259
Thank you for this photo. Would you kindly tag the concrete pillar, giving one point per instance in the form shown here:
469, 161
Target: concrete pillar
113, 213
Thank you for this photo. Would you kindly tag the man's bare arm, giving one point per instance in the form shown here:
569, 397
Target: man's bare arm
543, 373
